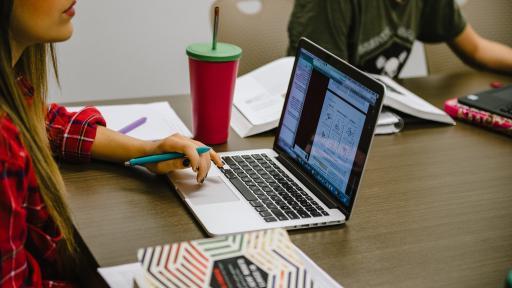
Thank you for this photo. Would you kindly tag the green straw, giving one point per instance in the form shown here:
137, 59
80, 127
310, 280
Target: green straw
215, 27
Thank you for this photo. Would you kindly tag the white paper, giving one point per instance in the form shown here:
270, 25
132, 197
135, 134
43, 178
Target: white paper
319, 276
162, 120
405, 101
257, 103
388, 123
259, 97
387, 118
386, 129
122, 276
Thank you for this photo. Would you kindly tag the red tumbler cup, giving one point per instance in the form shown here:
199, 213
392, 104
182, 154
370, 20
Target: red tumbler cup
212, 83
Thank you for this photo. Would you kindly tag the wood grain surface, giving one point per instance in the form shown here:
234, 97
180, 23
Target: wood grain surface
434, 208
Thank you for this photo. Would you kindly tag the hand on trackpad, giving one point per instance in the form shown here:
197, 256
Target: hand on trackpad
212, 191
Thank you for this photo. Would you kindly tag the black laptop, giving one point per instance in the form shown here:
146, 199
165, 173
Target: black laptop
496, 101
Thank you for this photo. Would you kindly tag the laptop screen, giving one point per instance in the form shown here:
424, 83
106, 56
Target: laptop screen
323, 124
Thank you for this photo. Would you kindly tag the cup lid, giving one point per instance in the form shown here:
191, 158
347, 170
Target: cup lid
224, 52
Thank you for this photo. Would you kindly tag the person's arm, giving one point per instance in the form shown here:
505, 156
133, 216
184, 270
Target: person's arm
477, 51
78, 136
113, 146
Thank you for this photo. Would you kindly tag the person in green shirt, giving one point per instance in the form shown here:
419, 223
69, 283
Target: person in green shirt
377, 35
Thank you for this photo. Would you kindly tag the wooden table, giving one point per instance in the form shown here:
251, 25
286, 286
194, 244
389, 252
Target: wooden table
434, 208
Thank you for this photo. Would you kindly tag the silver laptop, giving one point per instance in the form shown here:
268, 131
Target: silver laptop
311, 175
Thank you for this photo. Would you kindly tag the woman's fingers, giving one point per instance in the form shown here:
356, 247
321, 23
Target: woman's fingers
204, 167
199, 163
213, 155
191, 153
216, 158
169, 165
204, 162
179, 143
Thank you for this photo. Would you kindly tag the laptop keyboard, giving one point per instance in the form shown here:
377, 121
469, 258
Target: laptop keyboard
274, 195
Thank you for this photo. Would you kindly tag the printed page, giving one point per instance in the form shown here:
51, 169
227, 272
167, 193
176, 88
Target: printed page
398, 93
256, 103
405, 101
259, 95
275, 75
162, 120
387, 118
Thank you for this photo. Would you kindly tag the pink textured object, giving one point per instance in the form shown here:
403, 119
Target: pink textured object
212, 85
496, 84
478, 117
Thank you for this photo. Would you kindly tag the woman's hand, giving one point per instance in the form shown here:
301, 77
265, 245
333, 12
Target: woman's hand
113, 146
178, 143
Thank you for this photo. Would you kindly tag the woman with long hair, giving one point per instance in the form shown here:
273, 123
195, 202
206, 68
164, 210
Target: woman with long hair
34, 218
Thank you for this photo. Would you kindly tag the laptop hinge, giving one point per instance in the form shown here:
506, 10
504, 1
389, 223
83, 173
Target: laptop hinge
313, 187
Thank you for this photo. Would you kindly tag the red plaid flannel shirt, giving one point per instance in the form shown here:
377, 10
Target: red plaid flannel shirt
28, 235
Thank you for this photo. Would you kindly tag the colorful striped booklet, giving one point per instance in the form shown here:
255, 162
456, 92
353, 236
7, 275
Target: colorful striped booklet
255, 259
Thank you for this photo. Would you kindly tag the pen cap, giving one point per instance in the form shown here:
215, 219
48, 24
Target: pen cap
224, 52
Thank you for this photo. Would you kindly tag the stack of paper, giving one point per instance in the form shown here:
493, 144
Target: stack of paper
259, 97
161, 120
403, 100
388, 122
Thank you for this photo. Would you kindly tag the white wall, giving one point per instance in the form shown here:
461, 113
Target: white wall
128, 48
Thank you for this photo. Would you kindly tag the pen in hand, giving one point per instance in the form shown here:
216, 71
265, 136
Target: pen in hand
162, 157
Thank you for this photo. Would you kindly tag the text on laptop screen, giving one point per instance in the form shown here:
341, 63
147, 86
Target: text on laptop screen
323, 121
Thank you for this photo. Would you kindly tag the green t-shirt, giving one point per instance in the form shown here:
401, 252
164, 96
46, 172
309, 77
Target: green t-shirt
374, 35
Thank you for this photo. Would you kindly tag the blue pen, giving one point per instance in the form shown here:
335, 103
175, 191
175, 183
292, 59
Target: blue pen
162, 157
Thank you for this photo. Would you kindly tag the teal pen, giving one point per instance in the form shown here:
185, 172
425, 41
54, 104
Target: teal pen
162, 157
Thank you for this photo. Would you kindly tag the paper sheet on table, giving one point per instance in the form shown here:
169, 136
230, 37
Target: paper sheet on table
258, 104
388, 123
161, 122
401, 99
321, 278
259, 94
122, 276
387, 118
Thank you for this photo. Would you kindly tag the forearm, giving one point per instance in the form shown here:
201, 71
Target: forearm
495, 56
113, 146
480, 52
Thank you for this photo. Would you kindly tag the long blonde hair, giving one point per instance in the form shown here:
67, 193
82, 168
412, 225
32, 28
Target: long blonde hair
29, 118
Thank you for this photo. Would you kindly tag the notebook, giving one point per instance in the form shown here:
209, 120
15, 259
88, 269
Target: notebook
495, 101
256, 259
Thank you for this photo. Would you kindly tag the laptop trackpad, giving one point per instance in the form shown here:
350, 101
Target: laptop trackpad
212, 191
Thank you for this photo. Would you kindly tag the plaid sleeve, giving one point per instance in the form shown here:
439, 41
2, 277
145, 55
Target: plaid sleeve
16, 263
71, 134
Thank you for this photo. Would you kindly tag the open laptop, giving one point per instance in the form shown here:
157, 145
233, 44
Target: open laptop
311, 175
